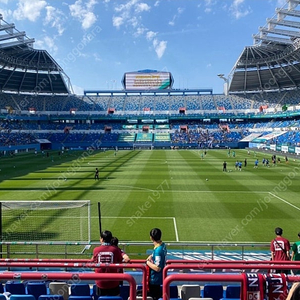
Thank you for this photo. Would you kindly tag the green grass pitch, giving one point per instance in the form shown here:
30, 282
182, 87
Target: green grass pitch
189, 198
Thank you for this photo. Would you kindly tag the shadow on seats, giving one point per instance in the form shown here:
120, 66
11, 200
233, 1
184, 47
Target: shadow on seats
213, 290
36, 289
14, 287
80, 289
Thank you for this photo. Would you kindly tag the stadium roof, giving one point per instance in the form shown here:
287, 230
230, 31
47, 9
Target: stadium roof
25, 69
273, 62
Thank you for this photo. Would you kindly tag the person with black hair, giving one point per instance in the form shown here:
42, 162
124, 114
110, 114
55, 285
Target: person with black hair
156, 262
107, 254
294, 292
280, 249
115, 242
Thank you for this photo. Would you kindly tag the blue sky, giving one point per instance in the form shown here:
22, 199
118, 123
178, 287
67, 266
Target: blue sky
97, 41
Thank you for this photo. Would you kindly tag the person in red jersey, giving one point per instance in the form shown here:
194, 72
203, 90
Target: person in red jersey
107, 254
280, 249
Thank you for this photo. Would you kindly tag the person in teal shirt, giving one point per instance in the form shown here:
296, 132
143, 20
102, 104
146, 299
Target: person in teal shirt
296, 253
156, 262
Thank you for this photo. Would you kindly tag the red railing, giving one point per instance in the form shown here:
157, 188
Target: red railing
167, 279
240, 265
80, 265
62, 260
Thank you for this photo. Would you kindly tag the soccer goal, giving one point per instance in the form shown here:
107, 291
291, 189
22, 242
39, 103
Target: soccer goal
59, 221
142, 146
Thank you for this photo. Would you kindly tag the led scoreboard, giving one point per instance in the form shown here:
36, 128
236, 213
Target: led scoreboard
147, 80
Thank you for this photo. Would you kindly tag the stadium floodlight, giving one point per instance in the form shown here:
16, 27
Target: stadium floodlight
222, 76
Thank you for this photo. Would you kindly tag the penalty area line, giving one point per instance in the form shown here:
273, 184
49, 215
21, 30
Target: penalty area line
292, 205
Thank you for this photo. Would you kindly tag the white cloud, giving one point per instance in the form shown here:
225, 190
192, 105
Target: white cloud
117, 21
172, 23
84, 12
97, 57
88, 20
159, 47
140, 7
281, 3
139, 31
78, 90
29, 9
150, 35
47, 43
237, 9
179, 12
129, 13
6, 13
55, 18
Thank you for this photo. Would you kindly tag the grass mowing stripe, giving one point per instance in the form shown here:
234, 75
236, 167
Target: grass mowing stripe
204, 210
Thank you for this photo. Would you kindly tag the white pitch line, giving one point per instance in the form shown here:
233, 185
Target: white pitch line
292, 205
139, 189
176, 231
170, 218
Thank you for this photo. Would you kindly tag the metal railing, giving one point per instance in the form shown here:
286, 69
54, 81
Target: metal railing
66, 250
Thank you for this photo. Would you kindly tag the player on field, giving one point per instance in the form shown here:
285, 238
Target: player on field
96, 174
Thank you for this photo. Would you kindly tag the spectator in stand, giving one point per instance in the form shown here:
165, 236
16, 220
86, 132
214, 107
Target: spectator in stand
115, 242
280, 249
296, 253
108, 254
294, 293
156, 262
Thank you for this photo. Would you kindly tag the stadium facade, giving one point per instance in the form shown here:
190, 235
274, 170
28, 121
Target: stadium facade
260, 106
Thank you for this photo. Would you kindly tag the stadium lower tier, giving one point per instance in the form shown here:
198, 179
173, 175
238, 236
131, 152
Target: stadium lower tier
191, 282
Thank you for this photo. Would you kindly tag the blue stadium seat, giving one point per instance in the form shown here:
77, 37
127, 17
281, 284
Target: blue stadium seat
213, 290
124, 291
110, 298
51, 297
14, 287
82, 297
80, 289
233, 291
21, 297
36, 289
173, 291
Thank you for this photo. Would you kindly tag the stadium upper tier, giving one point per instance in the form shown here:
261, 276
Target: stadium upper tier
25, 69
147, 105
272, 63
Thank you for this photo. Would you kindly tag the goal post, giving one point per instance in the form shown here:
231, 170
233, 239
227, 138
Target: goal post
142, 146
54, 221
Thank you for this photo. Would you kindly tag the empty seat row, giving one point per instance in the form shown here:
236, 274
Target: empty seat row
82, 291
213, 291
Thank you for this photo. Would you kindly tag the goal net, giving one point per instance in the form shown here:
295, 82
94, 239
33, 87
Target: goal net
142, 146
67, 221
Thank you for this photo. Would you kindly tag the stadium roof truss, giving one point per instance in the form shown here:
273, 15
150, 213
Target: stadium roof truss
273, 62
24, 69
